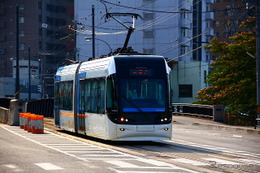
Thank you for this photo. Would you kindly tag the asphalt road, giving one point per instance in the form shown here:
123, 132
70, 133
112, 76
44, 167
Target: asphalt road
193, 148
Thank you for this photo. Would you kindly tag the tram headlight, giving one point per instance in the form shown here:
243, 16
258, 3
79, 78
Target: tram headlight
166, 129
122, 119
164, 119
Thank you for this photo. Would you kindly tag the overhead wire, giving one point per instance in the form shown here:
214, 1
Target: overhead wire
188, 40
160, 11
160, 19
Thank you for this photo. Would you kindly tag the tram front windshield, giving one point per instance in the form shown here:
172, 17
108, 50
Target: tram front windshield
142, 84
143, 94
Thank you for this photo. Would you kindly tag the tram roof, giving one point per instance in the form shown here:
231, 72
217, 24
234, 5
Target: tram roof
93, 69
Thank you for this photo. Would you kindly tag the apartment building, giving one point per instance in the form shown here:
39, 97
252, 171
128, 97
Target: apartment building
42, 25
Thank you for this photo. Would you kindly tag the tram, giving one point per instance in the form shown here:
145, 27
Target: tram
118, 98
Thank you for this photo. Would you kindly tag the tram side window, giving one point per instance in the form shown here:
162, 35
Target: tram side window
65, 92
94, 95
111, 93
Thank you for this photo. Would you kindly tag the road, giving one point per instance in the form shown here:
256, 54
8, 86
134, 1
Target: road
192, 149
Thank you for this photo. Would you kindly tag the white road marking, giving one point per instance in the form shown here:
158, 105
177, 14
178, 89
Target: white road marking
13, 167
249, 161
67, 142
237, 136
221, 161
155, 162
192, 162
122, 164
214, 148
48, 166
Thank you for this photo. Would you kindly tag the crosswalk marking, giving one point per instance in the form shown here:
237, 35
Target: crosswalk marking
122, 164
155, 162
48, 166
192, 162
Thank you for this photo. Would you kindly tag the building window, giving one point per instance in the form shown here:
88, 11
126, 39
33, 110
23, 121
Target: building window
21, 46
183, 32
205, 76
148, 51
21, 33
21, 6
208, 55
50, 7
148, 34
148, 1
208, 23
148, 16
2, 51
185, 90
183, 50
21, 19
208, 38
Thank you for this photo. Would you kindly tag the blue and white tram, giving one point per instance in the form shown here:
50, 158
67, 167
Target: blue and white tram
121, 97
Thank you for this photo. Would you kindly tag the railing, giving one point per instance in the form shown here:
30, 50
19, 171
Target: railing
41, 107
214, 112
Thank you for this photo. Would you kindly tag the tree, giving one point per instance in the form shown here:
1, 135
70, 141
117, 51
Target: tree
233, 79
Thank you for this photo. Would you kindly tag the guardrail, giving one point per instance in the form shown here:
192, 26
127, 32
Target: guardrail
214, 112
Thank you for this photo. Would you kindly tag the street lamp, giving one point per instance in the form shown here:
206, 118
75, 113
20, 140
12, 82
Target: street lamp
88, 39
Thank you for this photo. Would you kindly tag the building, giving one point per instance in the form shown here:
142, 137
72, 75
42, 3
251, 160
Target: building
178, 30
159, 30
43, 26
226, 23
187, 78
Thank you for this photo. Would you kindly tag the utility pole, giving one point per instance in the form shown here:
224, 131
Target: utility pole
17, 80
258, 59
29, 76
93, 31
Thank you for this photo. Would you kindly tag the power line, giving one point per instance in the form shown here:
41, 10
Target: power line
159, 11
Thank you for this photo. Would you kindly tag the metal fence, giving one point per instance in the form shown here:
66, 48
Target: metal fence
214, 112
41, 107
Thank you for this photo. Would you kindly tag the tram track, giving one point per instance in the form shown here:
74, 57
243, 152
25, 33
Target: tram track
170, 152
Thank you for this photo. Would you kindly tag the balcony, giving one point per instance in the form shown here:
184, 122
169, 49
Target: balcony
184, 6
209, 1
185, 23
209, 16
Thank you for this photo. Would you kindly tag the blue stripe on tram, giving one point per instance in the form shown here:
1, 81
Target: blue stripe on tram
143, 109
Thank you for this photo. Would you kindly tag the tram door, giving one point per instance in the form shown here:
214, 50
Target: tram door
81, 109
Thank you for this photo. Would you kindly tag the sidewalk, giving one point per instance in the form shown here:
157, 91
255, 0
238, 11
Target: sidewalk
212, 124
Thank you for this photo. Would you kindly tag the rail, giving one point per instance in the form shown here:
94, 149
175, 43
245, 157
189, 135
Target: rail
214, 112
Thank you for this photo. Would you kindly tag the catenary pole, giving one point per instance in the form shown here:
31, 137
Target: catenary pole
17, 79
93, 31
258, 58
29, 73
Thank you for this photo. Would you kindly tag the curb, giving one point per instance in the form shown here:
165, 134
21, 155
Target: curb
217, 126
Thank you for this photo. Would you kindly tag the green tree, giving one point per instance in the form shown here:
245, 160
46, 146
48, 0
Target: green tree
233, 78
